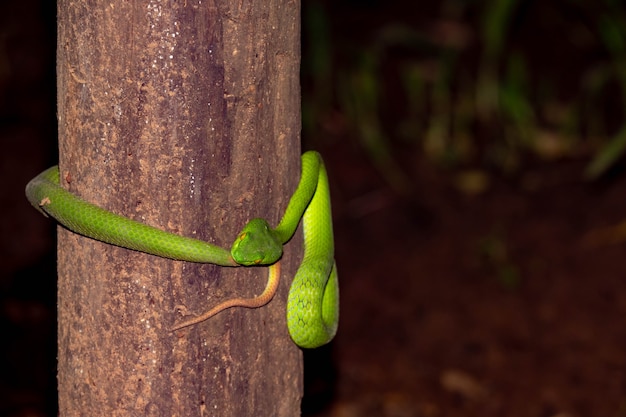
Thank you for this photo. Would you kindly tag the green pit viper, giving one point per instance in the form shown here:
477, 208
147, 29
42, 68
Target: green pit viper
313, 301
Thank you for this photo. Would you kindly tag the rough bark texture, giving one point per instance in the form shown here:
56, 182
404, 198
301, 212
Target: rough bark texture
183, 115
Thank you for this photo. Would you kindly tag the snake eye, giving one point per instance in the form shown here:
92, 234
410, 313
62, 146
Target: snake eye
257, 261
243, 235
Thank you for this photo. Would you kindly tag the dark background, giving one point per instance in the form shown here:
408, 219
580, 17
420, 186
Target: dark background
476, 158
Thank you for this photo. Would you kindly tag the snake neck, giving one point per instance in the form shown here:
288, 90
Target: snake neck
301, 198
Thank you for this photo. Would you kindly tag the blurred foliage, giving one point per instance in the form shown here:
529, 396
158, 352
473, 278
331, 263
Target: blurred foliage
494, 254
474, 86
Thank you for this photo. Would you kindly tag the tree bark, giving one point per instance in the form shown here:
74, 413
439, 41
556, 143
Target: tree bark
183, 115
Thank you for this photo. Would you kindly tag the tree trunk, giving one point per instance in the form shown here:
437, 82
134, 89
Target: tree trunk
183, 115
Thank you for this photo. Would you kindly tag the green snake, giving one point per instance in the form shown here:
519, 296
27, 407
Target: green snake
313, 301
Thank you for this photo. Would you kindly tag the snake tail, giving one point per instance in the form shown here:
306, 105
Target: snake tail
258, 301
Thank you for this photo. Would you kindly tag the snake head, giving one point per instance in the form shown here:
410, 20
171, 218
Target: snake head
257, 244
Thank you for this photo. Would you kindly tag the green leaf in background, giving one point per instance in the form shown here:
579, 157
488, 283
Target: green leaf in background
607, 156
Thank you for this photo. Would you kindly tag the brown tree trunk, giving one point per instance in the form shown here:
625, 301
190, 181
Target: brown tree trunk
183, 115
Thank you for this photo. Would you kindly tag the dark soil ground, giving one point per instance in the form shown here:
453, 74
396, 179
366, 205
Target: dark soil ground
507, 303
